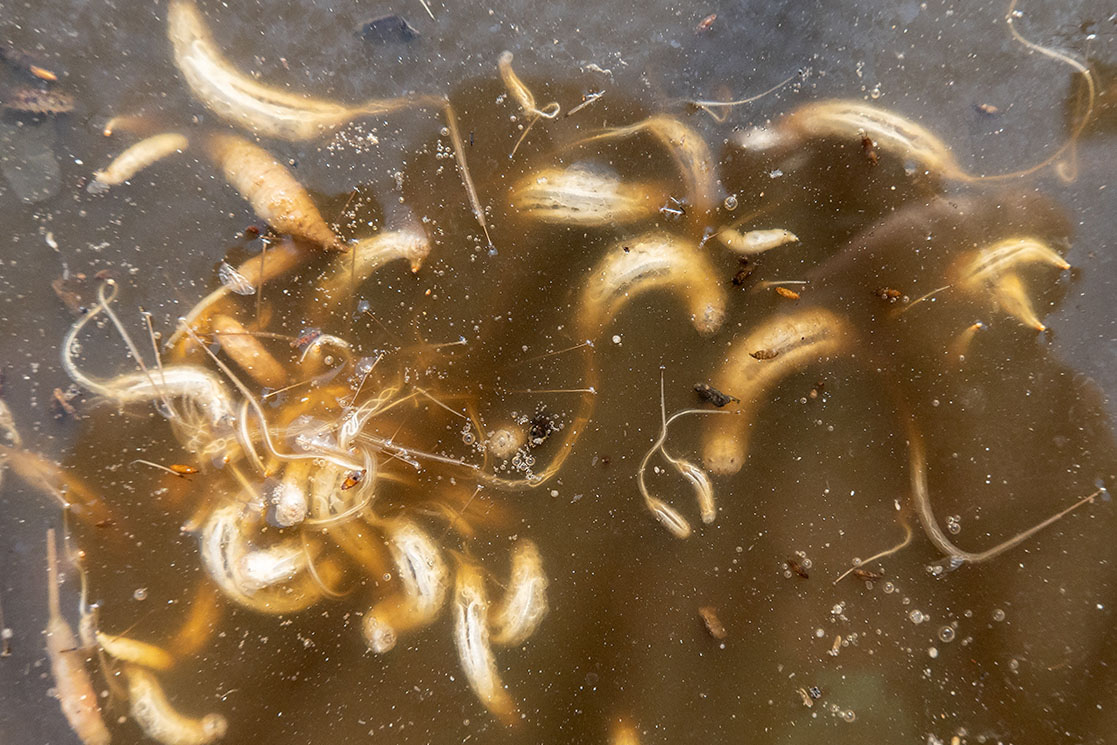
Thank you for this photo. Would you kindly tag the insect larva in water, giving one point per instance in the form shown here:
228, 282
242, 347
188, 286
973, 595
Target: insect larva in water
162, 722
288, 497
136, 158
266, 567
668, 517
582, 196
651, 261
132, 650
518, 614
471, 637
247, 352
689, 151
800, 339
755, 242
72, 684
261, 109
419, 567
349, 271
1004, 256
275, 195
1012, 297
520, 92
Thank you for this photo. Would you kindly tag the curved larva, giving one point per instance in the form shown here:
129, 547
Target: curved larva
806, 337
420, 568
1012, 297
755, 242
132, 650
471, 637
688, 150
845, 118
72, 685
579, 196
224, 551
160, 721
136, 158
369, 254
652, 261
986, 264
237, 98
247, 352
518, 614
269, 187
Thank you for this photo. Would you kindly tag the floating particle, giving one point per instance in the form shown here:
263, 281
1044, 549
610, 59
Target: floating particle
706, 24
987, 108
786, 293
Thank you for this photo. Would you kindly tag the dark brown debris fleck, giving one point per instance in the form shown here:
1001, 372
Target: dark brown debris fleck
28, 99
712, 395
764, 354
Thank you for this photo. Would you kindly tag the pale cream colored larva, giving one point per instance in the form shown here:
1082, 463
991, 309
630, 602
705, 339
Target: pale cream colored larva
754, 242
581, 196
72, 684
160, 721
652, 261
800, 339
136, 158
366, 256
132, 650
471, 637
518, 614
689, 151
261, 109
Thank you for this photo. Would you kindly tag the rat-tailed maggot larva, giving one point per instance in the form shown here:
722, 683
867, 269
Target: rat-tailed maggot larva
851, 119
1011, 296
269, 187
651, 261
518, 614
247, 352
581, 196
126, 649
365, 256
162, 722
986, 264
263, 110
471, 637
754, 242
72, 685
689, 151
224, 548
136, 158
794, 342
425, 581
520, 92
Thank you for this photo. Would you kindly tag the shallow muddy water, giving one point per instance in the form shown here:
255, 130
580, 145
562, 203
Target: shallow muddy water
1020, 648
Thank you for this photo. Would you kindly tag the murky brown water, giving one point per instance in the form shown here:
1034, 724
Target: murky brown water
1017, 649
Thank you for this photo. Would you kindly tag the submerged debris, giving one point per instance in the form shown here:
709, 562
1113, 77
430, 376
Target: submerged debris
713, 624
712, 395
35, 100
388, 29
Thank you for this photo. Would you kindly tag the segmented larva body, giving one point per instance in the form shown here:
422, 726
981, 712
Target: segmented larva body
136, 158
518, 614
269, 187
581, 196
651, 261
160, 721
798, 340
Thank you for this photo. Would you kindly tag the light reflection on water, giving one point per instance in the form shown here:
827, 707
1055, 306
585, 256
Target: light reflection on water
1031, 632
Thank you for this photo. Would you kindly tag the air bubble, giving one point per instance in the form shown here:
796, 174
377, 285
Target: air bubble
731, 202
998, 615
849, 715
946, 634
140, 593
917, 616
